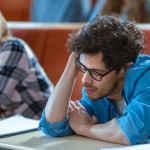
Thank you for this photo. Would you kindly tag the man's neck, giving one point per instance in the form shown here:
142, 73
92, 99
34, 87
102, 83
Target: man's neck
116, 95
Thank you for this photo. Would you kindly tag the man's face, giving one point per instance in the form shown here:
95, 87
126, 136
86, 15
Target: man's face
108, 86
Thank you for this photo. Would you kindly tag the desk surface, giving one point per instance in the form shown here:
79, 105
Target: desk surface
38, 141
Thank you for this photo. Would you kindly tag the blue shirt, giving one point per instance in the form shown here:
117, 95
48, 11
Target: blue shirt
135, 123
60, 10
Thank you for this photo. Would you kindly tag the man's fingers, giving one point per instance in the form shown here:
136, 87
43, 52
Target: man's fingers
94, 119
73, 105
78, 104
70, 108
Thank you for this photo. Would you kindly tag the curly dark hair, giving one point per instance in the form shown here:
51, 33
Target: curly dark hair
120, 41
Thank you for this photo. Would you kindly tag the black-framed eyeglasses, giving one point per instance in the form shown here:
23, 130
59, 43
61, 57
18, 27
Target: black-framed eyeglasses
94, 74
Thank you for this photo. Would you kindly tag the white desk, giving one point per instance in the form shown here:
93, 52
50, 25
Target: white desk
38, 141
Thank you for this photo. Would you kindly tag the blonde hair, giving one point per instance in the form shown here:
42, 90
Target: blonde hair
3, 27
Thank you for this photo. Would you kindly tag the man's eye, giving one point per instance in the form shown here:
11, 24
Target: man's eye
95, 73
83, 68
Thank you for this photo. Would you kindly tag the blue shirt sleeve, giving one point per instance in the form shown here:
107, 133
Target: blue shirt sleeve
55, 129
61, 128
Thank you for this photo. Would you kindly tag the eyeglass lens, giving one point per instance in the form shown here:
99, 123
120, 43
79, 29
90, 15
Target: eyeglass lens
92, 73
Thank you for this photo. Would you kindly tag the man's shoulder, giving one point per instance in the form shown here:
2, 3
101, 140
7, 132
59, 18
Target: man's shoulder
141, 65
137, 76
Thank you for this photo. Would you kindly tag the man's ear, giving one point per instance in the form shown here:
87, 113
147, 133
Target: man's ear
125, 67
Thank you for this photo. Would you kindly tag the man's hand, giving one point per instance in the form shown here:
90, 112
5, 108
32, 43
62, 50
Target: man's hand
83, 124
78, 117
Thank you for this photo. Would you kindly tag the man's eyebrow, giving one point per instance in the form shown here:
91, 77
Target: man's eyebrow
95, 69
98, 70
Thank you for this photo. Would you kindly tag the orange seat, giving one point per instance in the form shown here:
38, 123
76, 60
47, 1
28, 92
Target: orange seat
16, 10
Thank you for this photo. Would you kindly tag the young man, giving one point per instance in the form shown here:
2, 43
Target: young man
116, 96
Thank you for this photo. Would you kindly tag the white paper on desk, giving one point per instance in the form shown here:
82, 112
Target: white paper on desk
133, 147
17, 124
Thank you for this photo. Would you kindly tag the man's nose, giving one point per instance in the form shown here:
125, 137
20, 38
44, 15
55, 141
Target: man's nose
87, 79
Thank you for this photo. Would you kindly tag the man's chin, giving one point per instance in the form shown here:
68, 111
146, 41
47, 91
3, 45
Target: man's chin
92, 98
95, 97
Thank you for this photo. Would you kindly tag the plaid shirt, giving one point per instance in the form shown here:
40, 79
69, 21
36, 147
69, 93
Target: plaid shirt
24, 86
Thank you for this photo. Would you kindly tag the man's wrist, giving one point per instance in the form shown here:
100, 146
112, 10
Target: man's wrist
85, 129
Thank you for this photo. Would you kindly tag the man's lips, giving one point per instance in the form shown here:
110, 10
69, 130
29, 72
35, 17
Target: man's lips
89, 90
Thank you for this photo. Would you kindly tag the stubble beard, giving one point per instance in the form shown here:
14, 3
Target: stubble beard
103, 93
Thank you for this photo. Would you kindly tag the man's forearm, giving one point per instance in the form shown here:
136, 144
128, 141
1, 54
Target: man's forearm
109, 131
57, 106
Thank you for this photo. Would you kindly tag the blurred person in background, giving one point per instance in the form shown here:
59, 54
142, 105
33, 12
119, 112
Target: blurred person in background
133, 9
24, 86
137, 9
60, 10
